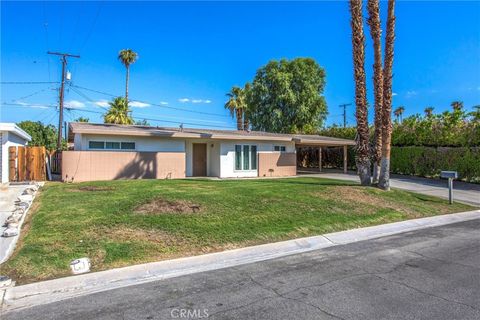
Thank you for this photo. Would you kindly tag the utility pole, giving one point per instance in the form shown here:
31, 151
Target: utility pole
62, 87
344, 106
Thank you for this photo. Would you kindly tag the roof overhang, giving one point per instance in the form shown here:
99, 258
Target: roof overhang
325, 143
12, 127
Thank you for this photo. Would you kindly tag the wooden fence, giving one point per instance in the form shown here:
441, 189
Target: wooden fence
27, 164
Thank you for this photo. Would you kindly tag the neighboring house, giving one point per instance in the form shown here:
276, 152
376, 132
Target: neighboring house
10, 136
109, 151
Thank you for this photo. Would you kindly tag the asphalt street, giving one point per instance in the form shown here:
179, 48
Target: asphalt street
432, 273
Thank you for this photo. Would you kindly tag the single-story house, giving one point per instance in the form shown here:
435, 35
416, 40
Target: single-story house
110, 151
11, 135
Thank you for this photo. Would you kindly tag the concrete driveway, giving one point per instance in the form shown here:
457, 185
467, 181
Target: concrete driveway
464, 192
426, 274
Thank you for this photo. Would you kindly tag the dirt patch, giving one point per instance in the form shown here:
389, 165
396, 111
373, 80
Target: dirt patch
358, 195
124, 233
159, 206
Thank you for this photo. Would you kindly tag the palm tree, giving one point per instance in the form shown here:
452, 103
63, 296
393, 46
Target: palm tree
457, 105
118, 113
362, 136
384, 180
81, 119
246, 111
428, 112
399, 112
127, 57
236, 105
373, 7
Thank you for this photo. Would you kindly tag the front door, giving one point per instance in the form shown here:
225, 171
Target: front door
199, 159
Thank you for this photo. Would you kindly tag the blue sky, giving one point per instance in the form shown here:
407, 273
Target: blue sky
192, 53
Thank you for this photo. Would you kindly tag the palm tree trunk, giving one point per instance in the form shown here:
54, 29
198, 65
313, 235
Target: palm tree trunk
376, 33
246, 122
384, 180
126, 85
239, 115
362, 138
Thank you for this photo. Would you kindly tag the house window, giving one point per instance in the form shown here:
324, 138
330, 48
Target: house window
279, 148
111, 145
245, 157
96, 144
128, 145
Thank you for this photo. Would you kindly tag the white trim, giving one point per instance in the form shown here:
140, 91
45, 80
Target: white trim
12, 127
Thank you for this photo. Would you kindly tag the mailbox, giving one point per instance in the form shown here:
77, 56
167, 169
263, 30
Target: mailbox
449, 174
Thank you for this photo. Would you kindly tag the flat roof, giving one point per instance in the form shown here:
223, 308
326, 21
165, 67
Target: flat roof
135, 130
12, 127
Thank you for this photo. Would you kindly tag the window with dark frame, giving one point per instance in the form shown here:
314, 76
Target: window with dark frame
245, 157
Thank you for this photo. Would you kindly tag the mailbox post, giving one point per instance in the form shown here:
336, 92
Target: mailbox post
450, 175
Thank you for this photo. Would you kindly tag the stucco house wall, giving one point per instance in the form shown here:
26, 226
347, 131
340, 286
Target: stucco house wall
227, 156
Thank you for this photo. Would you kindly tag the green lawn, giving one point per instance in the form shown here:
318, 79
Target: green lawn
106, 221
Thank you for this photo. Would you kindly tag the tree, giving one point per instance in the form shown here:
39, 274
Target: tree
457, 105
127, 57
428, 112
286, 97
398, 113
119, 112
376, 33
384, 179
236, 105
81, 119
143, 122
362, 138
42, 135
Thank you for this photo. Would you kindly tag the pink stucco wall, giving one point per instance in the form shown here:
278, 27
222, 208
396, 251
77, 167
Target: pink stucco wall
80, 166
277, 164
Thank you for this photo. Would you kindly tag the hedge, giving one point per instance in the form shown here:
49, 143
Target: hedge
415, 161
429, 161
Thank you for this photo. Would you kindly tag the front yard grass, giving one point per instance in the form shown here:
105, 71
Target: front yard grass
120, 223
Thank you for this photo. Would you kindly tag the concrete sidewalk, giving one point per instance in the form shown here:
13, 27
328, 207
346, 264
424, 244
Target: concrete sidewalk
468, 193
39, 293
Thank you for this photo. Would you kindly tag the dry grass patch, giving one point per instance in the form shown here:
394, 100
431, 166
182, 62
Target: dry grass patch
159, 206
125, 234
368, 202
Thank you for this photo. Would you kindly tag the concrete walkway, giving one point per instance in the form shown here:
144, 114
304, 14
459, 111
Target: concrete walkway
8, 196
463, 192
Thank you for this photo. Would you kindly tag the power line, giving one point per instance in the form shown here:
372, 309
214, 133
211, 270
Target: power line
344, 106
28, 82
92, 27
155, 104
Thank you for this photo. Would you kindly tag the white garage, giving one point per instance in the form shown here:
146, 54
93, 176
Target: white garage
10, 136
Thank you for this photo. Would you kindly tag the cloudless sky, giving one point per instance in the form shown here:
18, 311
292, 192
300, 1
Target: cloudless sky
198, 51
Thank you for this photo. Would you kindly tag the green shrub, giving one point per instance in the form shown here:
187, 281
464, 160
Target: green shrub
429, 161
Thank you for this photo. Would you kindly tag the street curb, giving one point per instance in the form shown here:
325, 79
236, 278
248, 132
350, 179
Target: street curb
60, 289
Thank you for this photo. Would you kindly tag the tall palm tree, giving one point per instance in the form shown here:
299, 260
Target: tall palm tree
246, 111
428, 112
373, 21
384, 180
398, 113
118, 113
362, 137
127, 57
457, 105
236, 104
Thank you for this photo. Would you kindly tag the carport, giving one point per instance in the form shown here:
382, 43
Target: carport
320, 143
